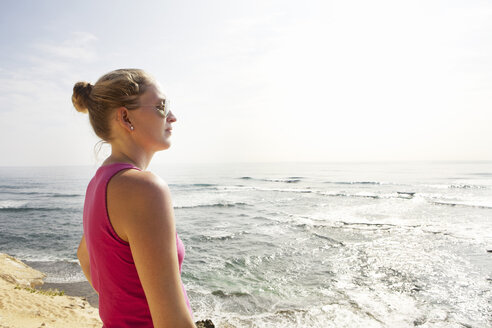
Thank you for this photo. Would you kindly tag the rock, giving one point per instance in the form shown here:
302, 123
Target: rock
205, 324
24, 306
16, 272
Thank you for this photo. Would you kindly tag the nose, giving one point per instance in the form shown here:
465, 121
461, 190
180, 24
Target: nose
171, 118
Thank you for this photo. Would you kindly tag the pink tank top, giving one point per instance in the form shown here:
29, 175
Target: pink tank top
122, 301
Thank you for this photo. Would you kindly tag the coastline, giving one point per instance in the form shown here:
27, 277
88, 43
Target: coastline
78, 289
29, 302
24, 304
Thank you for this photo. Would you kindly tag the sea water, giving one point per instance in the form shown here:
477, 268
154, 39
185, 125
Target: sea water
294, 244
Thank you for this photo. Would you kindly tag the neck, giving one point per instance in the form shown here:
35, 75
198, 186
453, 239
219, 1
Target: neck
135, 156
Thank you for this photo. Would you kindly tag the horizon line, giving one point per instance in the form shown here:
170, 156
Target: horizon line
269, 162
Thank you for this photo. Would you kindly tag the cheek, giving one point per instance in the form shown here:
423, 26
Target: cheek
158, 130
154, 126
150, 131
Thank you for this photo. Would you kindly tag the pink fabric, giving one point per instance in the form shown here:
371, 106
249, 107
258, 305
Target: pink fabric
122, 301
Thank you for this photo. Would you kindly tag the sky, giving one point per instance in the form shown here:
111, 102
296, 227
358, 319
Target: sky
256, 81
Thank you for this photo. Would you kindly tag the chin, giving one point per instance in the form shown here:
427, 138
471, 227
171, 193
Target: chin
165, 145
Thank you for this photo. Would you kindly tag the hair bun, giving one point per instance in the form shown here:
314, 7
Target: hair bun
81, 96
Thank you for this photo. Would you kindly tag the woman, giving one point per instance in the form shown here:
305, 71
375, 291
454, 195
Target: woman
130, 251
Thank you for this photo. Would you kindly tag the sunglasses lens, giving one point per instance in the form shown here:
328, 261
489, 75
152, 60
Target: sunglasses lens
166, 108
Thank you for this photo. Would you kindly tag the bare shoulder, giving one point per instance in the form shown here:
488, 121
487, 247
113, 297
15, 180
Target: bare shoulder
133, 186
138, 181
141, 195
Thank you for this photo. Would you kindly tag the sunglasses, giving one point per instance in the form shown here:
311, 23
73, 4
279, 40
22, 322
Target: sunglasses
162, 108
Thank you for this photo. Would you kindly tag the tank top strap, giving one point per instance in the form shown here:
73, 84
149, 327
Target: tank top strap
107, 171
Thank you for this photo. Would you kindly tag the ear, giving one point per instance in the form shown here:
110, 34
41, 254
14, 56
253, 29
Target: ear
123, 118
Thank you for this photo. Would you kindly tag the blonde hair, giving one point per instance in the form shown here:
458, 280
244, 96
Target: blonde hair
121, 87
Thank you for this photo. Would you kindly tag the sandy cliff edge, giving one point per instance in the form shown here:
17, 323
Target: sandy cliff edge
23, 307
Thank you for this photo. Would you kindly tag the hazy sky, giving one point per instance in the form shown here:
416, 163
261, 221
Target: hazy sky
256, 80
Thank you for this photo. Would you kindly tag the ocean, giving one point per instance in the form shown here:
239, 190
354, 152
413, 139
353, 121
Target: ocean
294, 244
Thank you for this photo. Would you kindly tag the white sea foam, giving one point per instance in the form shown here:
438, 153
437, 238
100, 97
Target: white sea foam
13, 204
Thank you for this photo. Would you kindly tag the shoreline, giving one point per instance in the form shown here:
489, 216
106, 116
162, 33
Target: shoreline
78, 289
24, 304
27, 301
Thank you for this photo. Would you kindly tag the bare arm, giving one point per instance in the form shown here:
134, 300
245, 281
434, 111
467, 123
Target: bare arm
83, 256
146, 220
